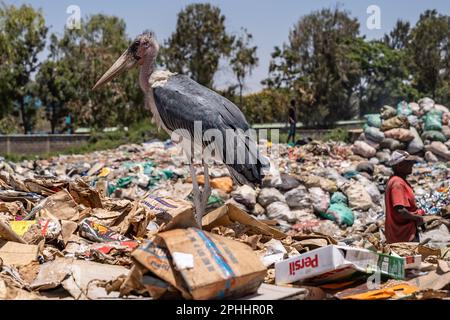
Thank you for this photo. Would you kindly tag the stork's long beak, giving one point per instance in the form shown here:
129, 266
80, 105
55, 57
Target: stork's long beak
124, 63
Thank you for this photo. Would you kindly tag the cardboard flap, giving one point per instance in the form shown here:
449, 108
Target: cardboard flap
229, 213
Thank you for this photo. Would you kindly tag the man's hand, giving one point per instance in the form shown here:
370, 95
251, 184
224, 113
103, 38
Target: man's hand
420, 221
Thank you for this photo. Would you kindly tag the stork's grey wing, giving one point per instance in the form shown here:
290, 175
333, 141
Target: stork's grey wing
181, 102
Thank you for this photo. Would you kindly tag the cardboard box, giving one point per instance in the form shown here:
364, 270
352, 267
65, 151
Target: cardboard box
202, 264
336, 263
229, 214
413, 262
170, 213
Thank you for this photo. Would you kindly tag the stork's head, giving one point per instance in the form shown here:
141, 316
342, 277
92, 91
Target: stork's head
143, 49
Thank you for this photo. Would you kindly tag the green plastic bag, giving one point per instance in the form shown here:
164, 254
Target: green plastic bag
148, 168
350, 174
123, 182
434, 136
373, 120
341, 214
212, 200
404, 109
339, 197
167, 174
433, 121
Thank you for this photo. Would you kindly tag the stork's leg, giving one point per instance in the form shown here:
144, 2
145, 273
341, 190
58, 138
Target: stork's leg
206, 188
199, 209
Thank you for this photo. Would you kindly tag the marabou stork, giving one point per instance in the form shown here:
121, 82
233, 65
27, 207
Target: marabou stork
177, 103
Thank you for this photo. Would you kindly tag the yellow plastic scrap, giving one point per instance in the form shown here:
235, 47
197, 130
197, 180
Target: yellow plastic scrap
395, 292
21, 227
105, 172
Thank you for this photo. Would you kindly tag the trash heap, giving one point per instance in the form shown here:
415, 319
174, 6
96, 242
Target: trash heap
420, 128
119, 224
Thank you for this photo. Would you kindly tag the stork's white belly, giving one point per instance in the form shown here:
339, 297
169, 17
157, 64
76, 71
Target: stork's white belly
156, 117
157, 79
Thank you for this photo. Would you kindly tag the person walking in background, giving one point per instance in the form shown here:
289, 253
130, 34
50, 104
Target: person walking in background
292, 122
402, 215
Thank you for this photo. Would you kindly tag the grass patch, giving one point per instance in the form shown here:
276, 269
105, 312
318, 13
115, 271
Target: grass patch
136, 134
338, 135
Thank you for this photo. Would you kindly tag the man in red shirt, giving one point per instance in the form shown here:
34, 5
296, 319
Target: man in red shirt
402, 214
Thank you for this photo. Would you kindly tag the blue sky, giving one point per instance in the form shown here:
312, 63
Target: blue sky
268, 20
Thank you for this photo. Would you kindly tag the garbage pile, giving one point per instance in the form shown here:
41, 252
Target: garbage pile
119, 224
420, 128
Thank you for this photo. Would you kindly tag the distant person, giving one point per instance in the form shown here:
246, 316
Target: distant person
292, 122
69, 124
402, 215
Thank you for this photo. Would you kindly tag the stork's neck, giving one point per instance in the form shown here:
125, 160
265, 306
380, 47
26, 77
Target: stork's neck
145, 72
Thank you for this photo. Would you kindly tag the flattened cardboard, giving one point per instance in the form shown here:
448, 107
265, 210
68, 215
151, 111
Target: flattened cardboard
17, 254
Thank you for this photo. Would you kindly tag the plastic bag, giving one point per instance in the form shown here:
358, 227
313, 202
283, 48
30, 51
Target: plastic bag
388, 112
446, 118
383, 156
433, 121
371, 188
434, 136
403, 135
415, 109
396, 122
426, 104
245, 195
358, 197
298, 198
403, 109
413, 120
341, 214
446, 131
365, 167
363, 149
373, 120
339, 197
320, 200
270, 195
416, 145
374, 134
392, 144
439, 149
280, 210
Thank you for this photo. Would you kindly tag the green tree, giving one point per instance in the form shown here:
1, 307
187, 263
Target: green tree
22, 38
384, 78
428, 53
243, 60
198, 43
56, 85
399, 37
269, 105
317, 64
83, 55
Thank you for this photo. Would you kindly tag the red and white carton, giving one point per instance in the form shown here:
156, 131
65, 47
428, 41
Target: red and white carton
336, 263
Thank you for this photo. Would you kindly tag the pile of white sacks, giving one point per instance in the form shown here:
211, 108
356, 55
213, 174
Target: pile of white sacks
420, 128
